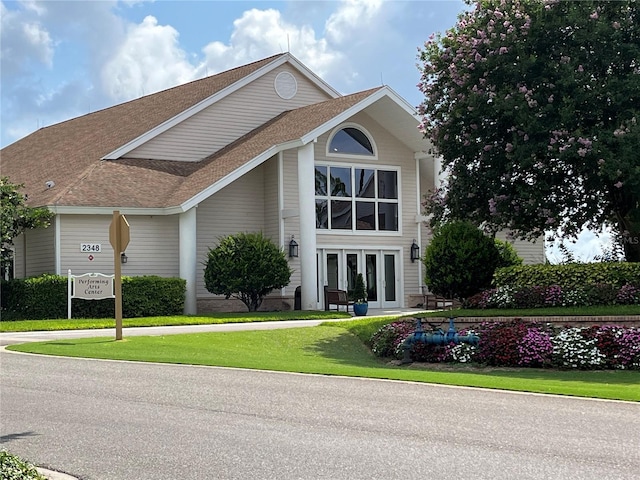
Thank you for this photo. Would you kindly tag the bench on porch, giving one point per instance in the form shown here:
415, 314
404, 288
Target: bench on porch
439, 303
333, 296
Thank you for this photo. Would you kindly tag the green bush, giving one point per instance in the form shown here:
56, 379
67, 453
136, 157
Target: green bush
14, 468
46, 297
246, 266
460, 261
570, 276
508, 254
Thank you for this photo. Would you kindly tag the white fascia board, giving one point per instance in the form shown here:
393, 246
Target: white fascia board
74, 210
198, 107
239, 172
358, 107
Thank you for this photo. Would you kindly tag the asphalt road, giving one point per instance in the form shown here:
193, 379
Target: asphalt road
121, 420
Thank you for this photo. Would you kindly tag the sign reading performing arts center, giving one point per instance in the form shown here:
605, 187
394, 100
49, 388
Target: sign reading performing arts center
93, 286
90, 286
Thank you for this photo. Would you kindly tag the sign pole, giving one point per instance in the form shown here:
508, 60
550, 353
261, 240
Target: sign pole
117, 249
119, 238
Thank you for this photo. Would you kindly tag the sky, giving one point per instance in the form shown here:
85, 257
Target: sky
62, 59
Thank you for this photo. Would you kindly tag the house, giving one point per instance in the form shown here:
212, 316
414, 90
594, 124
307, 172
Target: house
267, 146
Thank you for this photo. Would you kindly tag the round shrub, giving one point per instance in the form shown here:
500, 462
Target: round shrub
460, 261
246, 266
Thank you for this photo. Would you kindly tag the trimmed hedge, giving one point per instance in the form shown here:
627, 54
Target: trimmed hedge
45, 297
569, 277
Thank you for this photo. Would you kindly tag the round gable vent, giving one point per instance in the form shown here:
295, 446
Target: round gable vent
286, 85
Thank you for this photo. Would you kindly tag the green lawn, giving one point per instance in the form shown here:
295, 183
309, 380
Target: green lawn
96, 323
216, 318
333, 349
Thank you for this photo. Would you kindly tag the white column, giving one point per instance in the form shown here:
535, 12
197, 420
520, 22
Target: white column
188, 258
307, 206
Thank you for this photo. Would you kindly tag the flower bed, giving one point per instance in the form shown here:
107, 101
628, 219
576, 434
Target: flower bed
522, 343
555, 296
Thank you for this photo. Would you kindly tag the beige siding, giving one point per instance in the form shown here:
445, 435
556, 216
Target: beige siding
228, 119
237, 208
291, 221
34, 252
530, 252
271, 208
18, 257
152, 250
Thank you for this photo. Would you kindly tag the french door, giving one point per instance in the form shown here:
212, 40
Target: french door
380, 269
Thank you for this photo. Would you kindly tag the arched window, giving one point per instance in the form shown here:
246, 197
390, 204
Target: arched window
351, 141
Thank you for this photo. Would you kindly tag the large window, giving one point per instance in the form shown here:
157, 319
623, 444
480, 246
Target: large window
349, 198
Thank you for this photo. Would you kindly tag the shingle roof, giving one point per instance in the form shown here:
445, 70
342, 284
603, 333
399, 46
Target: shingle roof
70, 152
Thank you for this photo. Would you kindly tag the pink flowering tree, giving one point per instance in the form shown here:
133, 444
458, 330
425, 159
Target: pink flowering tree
534, 107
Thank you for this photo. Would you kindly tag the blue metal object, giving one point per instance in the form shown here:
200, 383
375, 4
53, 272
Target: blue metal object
437, 338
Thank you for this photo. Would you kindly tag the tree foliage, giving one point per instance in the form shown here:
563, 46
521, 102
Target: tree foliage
460, 260
535, 109
16, 217
246, 266
508, 255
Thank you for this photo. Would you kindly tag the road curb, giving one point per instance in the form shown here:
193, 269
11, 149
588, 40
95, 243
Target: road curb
53, 475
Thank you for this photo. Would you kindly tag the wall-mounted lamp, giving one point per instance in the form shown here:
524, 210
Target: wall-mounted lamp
293, 248
123, 258
415, 251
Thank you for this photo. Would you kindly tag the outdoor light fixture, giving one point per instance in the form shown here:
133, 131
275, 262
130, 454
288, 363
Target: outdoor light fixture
415, 251
293, 248
123, 258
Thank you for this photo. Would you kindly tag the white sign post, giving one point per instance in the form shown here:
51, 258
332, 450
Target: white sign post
90, 286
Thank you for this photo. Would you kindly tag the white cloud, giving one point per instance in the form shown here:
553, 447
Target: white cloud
586, 247
24, 41
261, 33
148, 60
352, 18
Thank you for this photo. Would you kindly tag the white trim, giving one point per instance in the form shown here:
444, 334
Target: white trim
188, 261
281, 217
418, 223
57, 246
358, 107
74, 210
339, 128
207, 102
307, 224
239, 172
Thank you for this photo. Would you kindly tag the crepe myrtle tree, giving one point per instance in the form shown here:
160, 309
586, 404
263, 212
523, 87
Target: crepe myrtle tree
16, 217
246, 266
534, 107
